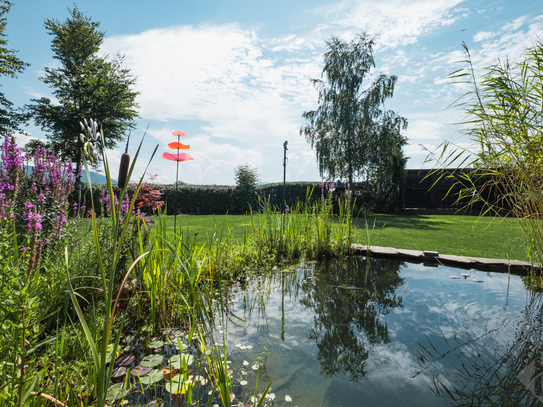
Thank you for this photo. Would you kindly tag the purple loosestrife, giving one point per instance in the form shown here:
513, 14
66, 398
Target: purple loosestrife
10, 170
39, 200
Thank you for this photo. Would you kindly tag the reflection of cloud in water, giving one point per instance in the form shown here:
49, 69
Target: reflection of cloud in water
434, 310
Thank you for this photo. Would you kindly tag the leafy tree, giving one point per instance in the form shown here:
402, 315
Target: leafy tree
86, 86
352, 133
246, 182
30, 147
10, 66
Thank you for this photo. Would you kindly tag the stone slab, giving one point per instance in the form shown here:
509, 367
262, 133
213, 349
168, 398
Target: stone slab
490, 262
411, 253
432, 257
456, 259
387, 251
359, 248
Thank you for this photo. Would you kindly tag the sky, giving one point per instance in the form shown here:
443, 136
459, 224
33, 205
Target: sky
235, 75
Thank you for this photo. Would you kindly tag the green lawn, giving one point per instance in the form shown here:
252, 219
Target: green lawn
448, 234
419, 230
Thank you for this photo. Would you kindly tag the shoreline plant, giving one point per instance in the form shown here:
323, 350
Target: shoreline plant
503, 121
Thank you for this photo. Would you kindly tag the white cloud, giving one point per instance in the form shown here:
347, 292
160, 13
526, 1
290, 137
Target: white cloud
484, 35
246, 93
396, 22
515, 25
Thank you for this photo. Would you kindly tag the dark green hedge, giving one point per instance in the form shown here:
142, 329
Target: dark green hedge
218, 199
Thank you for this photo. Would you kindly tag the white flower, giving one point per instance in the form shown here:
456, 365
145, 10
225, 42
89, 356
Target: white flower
270, 396
245, 363
249, 347
288, 399
238, 345
244, 373
255, 367
253, 399
243, 382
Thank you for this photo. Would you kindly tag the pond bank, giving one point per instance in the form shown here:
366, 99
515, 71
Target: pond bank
432, 259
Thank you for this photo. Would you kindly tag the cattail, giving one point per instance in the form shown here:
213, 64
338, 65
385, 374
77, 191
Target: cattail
124, 166
123, 170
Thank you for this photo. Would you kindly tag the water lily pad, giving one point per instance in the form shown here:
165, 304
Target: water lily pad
154, 376
168, 374
119, 371
124, 360
141, 370
156, 344
177, 361
152, 360
178, 385
117, 391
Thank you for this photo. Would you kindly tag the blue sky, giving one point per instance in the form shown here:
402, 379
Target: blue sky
235, 75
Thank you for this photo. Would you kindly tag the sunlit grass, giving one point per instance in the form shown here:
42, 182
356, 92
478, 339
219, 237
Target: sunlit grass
418, 230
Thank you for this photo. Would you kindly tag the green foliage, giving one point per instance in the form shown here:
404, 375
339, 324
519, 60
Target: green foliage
222, 199
10, 66
503, 122
246, 182
86, 85
353, 136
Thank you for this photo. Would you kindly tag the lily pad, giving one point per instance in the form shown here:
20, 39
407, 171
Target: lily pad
154, 376
177, 385
152, 360
117, 391
118, 372
177, 361
124, 360
168, 374
141, 370
156, 344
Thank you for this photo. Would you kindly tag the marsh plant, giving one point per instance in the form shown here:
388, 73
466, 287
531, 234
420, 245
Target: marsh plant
108, 309
503, 112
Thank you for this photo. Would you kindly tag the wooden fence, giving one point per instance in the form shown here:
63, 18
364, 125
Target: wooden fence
419, 192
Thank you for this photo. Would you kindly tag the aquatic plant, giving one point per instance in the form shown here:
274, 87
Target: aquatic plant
503, 168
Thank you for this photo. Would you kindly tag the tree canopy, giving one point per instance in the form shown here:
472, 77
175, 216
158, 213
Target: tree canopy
352, 133
10, 66
86, 85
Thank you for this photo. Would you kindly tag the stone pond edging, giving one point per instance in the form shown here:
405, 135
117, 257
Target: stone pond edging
434, 259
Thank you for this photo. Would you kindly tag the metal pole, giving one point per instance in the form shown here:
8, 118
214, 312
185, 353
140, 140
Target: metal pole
285, 175
176, 194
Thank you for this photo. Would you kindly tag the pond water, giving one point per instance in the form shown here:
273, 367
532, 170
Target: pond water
386, 333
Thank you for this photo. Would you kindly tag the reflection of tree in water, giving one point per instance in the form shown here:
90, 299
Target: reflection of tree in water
486, 372
349, 296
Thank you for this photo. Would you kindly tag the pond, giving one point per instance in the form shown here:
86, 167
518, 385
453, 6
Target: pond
387, 333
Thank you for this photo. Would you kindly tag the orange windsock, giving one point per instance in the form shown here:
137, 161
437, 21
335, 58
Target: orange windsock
175, 145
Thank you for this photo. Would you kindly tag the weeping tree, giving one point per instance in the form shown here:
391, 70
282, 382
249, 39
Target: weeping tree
353, 135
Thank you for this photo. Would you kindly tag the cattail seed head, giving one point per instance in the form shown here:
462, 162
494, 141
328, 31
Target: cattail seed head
123, 170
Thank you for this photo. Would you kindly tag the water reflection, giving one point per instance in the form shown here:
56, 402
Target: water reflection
491, 376
348, 298
390, 334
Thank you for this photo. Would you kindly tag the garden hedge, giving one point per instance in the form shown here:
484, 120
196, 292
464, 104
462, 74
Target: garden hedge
220, 199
